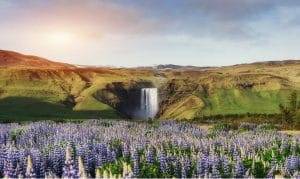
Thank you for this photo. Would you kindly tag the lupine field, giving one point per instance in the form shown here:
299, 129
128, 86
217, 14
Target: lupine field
116, 149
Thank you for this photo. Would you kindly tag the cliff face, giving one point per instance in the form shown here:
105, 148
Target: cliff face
123, 96
185, 93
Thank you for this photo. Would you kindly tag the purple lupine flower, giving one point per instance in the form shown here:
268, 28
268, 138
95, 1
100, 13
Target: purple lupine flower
177, 167
206, 166
136, 163
10, 171
200, 167
69, 169
109, 156
39, 164
225, 165
283, 145
113, 156
187, 164
236, 155
46, 162
150, 156
10, 163
126, 151
58, 160
98, 160
22, 162
43, 141
103, 152
81, 151
2, 159
239, 169
215, 163
183, 170
292, 163
185, 167
90, 161
163, 165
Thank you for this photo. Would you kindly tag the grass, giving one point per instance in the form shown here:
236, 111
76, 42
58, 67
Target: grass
238, 101
39, 94
185, 108
24, 97
35, 109
36, 99
229, 102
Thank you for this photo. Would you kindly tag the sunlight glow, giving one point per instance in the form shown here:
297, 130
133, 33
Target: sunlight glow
60, 38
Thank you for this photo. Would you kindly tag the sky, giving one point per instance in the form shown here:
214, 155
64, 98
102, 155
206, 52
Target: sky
132, 33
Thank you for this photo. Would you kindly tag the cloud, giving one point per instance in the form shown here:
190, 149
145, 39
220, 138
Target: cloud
220, 19
231, 19
97, 17
225, 19
237, 10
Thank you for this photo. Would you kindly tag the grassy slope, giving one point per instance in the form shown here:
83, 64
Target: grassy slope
239, 89
236, 101
186, 108
229, 101
88, 102
36, 94
24, 99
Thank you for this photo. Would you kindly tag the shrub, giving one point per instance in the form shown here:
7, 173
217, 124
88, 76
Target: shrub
264, 127
220, 127
245, 126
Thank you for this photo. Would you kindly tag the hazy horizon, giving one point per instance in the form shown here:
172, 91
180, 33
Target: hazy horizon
132, 33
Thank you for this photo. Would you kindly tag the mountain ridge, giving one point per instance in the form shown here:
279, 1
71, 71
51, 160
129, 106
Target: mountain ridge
15, 59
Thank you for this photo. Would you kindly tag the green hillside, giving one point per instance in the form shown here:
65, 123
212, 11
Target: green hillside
236, 101
30, 93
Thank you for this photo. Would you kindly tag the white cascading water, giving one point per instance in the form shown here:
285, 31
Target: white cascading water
149, 102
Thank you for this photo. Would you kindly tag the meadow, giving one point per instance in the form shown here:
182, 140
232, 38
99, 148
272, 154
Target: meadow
113, 148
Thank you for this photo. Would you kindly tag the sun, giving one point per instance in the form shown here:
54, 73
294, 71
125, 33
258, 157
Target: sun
60, 38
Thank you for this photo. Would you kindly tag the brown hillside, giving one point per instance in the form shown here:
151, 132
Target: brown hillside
14, 59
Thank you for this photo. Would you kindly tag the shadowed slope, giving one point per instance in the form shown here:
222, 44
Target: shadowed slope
25, 108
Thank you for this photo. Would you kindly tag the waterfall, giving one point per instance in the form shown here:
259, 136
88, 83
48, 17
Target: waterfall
149, 103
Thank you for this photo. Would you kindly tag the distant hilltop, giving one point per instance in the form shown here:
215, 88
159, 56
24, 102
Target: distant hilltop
14, 59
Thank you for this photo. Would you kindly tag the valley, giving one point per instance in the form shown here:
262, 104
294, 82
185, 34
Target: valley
69, 92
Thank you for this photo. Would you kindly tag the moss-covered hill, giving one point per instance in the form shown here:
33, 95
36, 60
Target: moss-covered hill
30, 92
